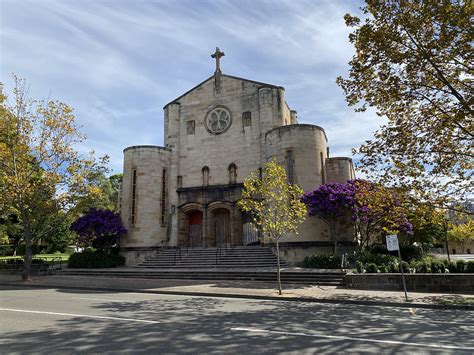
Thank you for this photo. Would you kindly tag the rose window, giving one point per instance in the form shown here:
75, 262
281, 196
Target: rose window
218, 120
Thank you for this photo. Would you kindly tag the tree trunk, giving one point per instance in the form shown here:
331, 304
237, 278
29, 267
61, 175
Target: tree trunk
332, 231
278, 267
28, 252
446, 239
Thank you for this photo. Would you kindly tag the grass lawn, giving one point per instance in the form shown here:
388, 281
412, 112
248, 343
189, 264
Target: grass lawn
63, 256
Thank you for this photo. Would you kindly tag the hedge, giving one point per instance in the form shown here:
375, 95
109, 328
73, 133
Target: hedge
94, 259
323, 261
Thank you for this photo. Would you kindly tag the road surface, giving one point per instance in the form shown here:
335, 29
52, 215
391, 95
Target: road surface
62, 321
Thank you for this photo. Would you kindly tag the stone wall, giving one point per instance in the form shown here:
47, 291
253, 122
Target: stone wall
308, 144
239, 144
415, 282
293, 253
147, 227
339, 169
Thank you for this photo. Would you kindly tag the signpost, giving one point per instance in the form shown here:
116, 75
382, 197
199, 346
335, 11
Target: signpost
392, 244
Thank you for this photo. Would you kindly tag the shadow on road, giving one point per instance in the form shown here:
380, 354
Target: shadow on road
205, 325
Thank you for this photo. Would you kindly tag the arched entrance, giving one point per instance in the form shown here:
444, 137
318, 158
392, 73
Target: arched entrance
195, 229
220, 226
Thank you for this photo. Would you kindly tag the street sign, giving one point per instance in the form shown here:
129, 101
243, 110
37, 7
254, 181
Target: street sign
392, 242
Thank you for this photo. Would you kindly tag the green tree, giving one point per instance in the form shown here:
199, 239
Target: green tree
414, 65
274, 204
462, 234
106, 195
40, 170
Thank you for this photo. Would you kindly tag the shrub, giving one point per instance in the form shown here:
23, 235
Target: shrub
408, 252
411, 252
437, 267
94, 259
366, 257
35, 249
383, 268
423, 267
372, 268
450, 266
405, 266
470, 266
323, 261
359, 267
460, 266
393, 266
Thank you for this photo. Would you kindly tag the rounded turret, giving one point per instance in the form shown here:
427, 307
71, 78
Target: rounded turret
144, 202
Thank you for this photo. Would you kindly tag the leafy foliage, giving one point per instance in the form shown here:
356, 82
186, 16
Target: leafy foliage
333, 203
323, 261
371, 208
274, 204
40, 170
462, 233
95, 259
100, 229
413, 64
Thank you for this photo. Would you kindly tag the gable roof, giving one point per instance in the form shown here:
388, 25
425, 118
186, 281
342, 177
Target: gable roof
227, 76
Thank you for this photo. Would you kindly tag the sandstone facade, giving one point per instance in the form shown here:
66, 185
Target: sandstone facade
215, 135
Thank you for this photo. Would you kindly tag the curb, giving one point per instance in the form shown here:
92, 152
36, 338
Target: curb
250, 297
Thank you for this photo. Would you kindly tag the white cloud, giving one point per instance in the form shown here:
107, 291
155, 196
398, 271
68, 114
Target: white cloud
118, 62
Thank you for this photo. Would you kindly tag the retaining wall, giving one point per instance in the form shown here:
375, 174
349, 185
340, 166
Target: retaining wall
415, 282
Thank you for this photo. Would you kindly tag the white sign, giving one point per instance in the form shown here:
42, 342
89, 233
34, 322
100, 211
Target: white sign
392, 242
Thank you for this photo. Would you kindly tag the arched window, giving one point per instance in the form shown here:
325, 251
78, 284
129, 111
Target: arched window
232, 173
205, 176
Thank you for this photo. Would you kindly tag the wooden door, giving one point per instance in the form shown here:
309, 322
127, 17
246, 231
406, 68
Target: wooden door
221, 226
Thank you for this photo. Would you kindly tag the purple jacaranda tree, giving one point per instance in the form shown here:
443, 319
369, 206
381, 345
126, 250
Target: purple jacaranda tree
332, 203
100, 229
377, 211
370, 209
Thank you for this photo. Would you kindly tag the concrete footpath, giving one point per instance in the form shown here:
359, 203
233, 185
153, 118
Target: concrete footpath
246, 289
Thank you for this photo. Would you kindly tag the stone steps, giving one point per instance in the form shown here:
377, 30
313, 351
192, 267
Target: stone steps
253, 263
301, 277
241, 256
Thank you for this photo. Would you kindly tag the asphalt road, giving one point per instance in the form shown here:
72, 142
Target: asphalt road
65, 321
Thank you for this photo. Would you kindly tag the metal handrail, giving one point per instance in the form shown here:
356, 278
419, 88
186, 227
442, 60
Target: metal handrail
219, 248
51, 260
343, 262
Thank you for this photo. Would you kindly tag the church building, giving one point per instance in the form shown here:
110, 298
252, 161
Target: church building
184, 194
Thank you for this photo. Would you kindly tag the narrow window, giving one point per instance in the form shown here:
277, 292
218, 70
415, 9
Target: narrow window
232, 173
190, 127
133, 213
180, 181
205, 176
247, 118
163, 196
323, 175
290, 166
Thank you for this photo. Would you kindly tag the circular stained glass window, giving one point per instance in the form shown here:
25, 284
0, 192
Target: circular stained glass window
218, 120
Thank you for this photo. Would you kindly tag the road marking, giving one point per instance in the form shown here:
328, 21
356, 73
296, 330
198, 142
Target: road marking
341, 337
81, 316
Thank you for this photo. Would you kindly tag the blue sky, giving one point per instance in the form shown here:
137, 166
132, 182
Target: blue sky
118, 62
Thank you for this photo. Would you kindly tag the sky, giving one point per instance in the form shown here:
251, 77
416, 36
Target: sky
118, 62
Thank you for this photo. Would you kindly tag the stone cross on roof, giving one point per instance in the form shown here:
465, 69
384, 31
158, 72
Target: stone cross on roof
217, 55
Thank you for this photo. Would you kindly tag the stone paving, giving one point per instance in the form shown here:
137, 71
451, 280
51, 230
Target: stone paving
242, 289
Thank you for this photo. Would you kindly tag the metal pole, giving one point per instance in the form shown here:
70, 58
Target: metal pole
403, 275
445, 229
